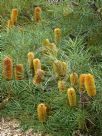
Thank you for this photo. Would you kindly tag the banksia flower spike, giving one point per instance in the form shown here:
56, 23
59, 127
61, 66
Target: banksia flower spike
61, 85
14, 15
74, 79
36, 64
39, 75
71, 96
82, 82
30, 59
57, 35
90, 85
19, 72
7, 68
46, 42
37, 14
60, 68
9, 24
42, 112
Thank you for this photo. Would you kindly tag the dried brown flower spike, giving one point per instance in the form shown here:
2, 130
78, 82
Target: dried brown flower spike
14, 15
19, 72
7, 68
37, 14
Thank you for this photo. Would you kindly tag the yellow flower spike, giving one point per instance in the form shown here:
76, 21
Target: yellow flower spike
19, 72
82, 82
36, 64
9, 24
46, 42
61, 85
42, 112
7, 68
39, 75
60, 68
74, 78
30, 59
90, 85
14, 15
37, 14
57, 35
71, 96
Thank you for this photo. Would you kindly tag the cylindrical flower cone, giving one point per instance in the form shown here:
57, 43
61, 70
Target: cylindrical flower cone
7, 68
60, 68
57, 35
30, 59
9, 24
61, 85
39, 75
82, 82
37, 14
14, 15
71, 96
42, 112
36, 64
19, 72
90, 85
74, 79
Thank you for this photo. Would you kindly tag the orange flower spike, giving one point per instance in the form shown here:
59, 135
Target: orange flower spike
57, 34
61, 85
9, 24
74, 78
42, 112
71, 96
19, 72
90, 85
38, 76
7, 68
36, 64
14, 15
30, 59
37, 14
82, 81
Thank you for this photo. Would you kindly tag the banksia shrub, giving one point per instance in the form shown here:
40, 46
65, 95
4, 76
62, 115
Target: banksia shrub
74, 79
57, 35
14, 15
61, 85
19, 72
82, 82
39, 75
60, 68
30, 59
9, 24
42, 112
36, 64
71, 96
7, 68
37, 14
90, 85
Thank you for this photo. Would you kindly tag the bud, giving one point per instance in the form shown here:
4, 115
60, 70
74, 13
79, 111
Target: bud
7, 68
60, 68
39, 75
90, 85
19, 72
36, 64
61, 85
37, 14
74, 79
57, 34
30, 59
82, 81
14, 15
71, 96
42, 112
46, 42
